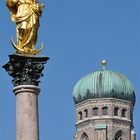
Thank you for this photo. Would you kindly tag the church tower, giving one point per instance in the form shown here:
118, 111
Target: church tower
104, 102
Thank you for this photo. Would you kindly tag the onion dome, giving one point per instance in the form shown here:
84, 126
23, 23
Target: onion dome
103, 84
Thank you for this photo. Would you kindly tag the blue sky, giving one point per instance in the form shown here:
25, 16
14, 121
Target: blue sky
77, 35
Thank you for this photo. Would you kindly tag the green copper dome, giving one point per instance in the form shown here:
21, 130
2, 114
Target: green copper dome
103, 84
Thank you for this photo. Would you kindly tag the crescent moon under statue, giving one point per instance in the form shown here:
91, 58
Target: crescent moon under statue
34, 52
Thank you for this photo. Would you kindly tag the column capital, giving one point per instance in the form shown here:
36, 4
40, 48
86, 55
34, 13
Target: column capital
25, 69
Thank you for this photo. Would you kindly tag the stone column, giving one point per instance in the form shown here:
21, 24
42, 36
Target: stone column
26, 71
27, 123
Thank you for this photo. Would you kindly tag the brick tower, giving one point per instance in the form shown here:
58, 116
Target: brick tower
104, 103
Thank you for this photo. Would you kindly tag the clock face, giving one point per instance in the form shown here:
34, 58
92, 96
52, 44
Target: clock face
118, 138
84, 136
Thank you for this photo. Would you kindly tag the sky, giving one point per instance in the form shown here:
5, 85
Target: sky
77, 35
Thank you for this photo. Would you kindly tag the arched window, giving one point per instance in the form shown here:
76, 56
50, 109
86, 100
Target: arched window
86, 113
105, 110
84, 136
80, 115
119, 135
95, 111
124, 112
116, 111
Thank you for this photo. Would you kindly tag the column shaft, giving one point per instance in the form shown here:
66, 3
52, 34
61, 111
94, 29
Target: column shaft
27, 123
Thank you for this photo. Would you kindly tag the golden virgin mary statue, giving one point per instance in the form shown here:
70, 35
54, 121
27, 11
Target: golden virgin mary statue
25, 13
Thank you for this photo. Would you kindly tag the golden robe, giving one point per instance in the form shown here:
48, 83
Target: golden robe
25, 13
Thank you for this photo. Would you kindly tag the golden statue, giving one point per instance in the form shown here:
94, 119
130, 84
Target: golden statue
25, 13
